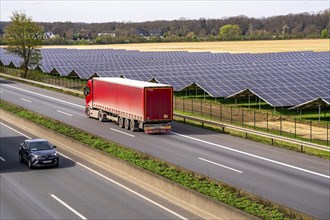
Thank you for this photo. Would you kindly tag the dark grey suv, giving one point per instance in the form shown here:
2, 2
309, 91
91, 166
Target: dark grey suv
38, 153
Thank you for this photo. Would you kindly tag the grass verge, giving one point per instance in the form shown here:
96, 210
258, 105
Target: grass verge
211, 188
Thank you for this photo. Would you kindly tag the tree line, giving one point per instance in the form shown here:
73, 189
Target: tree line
291, 26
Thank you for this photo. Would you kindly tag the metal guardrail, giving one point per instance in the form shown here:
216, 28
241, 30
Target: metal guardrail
203, 121
259, 133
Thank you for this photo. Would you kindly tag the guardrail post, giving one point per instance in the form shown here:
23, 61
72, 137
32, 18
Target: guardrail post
301, 148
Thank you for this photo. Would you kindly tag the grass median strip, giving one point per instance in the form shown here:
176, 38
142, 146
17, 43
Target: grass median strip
196, 182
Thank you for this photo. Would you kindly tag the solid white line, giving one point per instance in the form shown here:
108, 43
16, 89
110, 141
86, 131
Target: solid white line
128, 189
1, 158
111, 180
131, 135
252, 155
229, 168
7, 126
45, 96
64, 113
67, 206
25, 100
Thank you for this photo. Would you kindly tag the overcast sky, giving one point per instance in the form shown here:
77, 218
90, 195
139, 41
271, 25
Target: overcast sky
138, 11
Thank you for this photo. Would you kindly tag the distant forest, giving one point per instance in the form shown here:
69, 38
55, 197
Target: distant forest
291, 26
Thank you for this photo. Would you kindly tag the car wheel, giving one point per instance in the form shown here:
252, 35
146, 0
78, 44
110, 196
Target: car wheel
30, 164
20, 158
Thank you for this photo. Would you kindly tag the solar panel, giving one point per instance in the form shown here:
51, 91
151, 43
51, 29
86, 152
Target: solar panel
281, 79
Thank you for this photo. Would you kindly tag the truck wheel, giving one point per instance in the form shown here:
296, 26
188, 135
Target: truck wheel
100, 116
133, 125
88, 112
126, 123
121, 122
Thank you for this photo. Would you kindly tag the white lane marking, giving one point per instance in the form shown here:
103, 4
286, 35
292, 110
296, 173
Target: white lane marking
253, 155
131, 135
220, 165
1, 158
7, 126
64, 113
113, 181
45, 96
25, 100
68, 207
128, 189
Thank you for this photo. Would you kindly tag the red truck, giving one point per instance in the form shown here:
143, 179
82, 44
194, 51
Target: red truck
134, 105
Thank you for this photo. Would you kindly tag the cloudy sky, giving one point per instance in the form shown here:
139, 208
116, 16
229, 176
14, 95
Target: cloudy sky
148, 10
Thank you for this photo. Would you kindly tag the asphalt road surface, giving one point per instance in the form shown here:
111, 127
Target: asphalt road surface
75, 190
293, 179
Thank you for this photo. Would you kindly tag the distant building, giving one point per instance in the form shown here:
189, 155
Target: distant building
112, 34
157, 33
152, 32
142, 32
48, 35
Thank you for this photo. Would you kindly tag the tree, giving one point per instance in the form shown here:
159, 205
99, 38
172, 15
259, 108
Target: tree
23, 38
229, 32
324, 33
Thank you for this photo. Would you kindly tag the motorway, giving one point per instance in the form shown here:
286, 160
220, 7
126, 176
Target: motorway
76, 190
296, 180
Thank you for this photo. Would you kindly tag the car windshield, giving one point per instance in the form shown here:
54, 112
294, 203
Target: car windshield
40, 146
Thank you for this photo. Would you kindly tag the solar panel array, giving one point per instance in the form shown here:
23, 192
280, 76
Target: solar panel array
280, 79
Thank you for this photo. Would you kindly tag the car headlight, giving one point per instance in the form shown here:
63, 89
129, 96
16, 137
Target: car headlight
36, 156
55, 154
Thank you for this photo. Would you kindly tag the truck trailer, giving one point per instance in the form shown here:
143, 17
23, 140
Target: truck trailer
134, 105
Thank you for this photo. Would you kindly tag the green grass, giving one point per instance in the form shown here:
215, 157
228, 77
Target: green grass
211, 188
